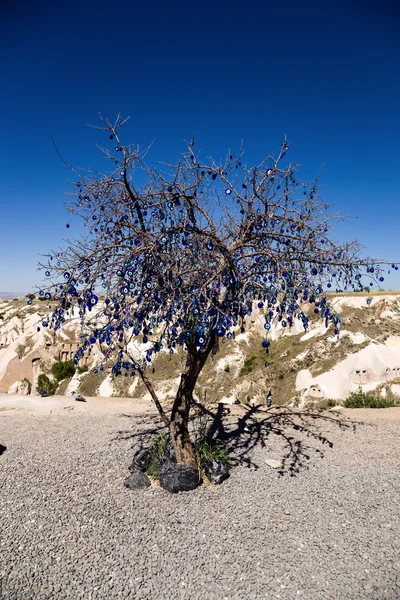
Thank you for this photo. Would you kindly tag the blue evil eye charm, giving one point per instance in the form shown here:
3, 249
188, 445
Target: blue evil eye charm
29, 302
381, 279
368, 301
45, 324
47, 273
47, 296
314, 271
267, 326
229, 335
228, 192
41, 293
265, 343
94, 299
66, 275
201, 340
283, 323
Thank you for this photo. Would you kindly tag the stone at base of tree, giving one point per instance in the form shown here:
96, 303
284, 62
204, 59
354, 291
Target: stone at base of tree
137, 481
216, 471
175, 477
139, 460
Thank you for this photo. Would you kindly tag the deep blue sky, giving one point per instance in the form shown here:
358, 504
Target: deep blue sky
326, 74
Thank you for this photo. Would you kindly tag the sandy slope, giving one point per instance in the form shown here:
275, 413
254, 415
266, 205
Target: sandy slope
92, 406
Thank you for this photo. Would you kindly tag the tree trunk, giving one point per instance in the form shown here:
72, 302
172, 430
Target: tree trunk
179, 423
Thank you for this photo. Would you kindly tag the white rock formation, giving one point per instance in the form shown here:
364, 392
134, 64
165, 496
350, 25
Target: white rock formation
73, 384
106, 388
19, 387
373, 365
395, 389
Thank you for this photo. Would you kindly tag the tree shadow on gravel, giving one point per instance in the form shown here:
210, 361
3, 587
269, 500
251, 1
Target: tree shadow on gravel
301, 433
242, 429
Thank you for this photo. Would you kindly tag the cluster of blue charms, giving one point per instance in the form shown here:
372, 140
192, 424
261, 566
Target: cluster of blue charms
154, 266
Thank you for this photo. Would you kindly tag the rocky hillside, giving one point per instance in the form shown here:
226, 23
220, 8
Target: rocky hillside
303, 366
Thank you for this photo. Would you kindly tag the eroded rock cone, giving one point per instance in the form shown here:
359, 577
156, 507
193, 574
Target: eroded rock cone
140, 459
216, 471
137, 481
175, 477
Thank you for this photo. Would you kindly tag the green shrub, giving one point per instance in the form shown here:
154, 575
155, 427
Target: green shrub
360, 399
63, 369
207, 450
330, 402
249, 366
322, 404
82, 370
46, 384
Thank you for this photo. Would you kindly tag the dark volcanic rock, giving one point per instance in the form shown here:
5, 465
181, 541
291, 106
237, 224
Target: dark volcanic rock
137, 481
175, 477
216, 471
139, 460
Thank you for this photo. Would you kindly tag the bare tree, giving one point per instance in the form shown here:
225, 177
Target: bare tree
178, 254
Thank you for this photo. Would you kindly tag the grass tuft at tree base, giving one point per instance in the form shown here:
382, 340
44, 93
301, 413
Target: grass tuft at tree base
206, 450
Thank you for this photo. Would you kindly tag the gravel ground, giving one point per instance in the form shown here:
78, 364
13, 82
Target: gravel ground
70, 530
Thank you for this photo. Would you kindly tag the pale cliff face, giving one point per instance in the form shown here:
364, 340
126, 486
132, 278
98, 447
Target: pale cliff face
312, 364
